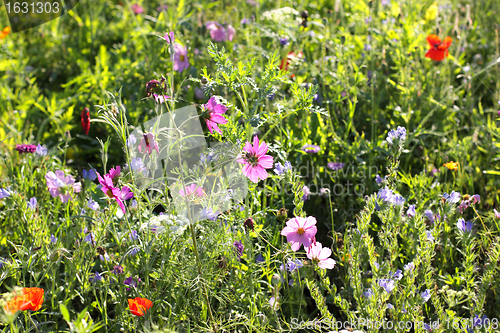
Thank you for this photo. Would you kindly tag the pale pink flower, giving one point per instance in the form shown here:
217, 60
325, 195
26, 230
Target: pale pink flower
61, 185
180, 58
213, 115
320, 255
192, 189
255, 160
147, 144
497, 214
300, 231
219, 33
114, 192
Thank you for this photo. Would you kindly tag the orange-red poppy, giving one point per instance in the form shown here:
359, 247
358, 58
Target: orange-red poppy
139, 306
5, 32
31, 299
439, 50
452, 165
288, 59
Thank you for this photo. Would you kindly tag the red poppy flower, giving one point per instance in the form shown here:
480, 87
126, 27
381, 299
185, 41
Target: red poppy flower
139, 306
287, 60
31, 299
439, 50
85, 120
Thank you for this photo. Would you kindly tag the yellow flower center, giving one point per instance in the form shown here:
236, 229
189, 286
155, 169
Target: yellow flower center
182, 57
300, 231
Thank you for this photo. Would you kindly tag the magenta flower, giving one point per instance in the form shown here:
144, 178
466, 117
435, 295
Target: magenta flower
212, 113
300, 231
148, 142
192, 189
114, 192
115, 172
137, 9
219, 33
180, 58
255, 160
61, 185
169, 37
320, 255
26, 148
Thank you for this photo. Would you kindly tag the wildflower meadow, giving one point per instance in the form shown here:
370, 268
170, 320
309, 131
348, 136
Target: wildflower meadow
250, 166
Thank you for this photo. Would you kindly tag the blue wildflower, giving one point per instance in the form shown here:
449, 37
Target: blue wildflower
409, 266
368, 293
378, 179
396, 136
398, 275
53, 239
133, 235
208, 214
452, 198
41, 150
89, 175
411, 211
387, 284
93, 205
426, 295
280, 169
97, 277
464, 226
32, 203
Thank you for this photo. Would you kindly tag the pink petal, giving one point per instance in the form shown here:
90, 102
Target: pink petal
326, 264
266, 161
255, 144
287, 230
325, 253
295, 246
218, 119
262, 149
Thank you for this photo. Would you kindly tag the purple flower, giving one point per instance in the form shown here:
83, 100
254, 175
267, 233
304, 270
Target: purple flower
398, 275
117, 270
169, 37
368, 293
208, 214
385, 194
387, 284
464, 226
430, 238
430, 215
104, 257
89, 175
162, 8
219, 33
475, 199
409, 266
41, 150
93, 205
61, 185
311, 149
133, 235
398, 200
452, 198
133, 251
259, 258
5, 192
479, 321
26, 148
292, 265
97, 277
378, 179
280, 169
397, 136
180, 58
239, 249
283, 41
53, 239
32, 203
306, 191
335, 166
390, 306
131, 140
385, 2
90, 238
130, 282
411, 211
244, 21
137, 165
426, 295
198, 93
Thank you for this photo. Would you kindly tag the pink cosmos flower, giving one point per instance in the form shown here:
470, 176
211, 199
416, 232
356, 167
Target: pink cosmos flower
114, 192
300, 230
148, 143
192, 189
180, 58
320, 255
137, 9
213, 115
61, 185
219, 33
255, 160
497, 214
115, 172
